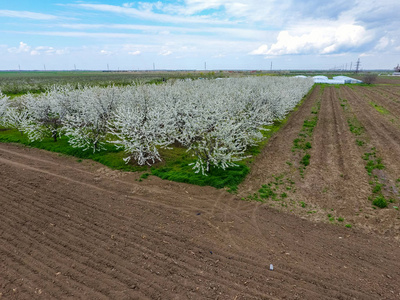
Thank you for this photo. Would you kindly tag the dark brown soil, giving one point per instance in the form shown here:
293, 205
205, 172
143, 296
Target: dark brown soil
384, 97
390, 92
383, 133
71, 230
272, 160
336, 180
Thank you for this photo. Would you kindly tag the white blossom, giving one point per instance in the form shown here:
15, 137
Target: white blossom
215, 120
141, 124
86, 123
44, 119
3, 108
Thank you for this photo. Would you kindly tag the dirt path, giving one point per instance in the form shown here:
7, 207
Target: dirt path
272, 160
76, 230
336, 178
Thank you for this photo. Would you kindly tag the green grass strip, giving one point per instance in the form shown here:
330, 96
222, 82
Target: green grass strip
110, 157
379, 108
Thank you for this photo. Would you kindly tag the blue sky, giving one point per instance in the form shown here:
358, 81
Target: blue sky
184, 34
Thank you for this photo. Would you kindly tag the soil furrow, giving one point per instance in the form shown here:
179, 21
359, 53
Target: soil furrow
277, 152
384, 136
392, 92
87, 232
127, 248
372, 96
336, 178
52, 280
85, 264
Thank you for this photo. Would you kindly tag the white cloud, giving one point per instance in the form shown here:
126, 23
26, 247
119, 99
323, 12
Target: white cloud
366, 55
39, 50
23, 48
206, 30
35, 52
46, 49
105, 52
148, 6
232, 32
262, 50
324, 40
147, 14
219, 56
195, 6
382, 44
99, 35
165, 52
26, 15
128, 4
203, 44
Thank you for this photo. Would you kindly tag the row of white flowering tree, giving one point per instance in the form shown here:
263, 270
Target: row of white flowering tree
216, 120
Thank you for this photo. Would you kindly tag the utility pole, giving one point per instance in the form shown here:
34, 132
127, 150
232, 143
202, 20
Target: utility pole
351, 64
358, 66
19, 68
271, 66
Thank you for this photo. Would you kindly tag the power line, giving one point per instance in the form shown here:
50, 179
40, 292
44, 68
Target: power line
358, 63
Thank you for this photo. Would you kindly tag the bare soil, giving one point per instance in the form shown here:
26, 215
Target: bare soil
383, 133
387, 98
336, 186
272, 160
71, 230
390, 92
336, 181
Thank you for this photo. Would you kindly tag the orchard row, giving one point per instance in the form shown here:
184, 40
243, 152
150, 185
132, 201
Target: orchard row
215, 120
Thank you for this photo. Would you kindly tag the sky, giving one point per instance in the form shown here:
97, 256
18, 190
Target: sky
199, 34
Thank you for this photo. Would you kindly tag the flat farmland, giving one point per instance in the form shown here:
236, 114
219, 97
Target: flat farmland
354, 150
78, 230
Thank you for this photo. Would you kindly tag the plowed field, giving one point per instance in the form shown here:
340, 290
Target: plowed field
71, 230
